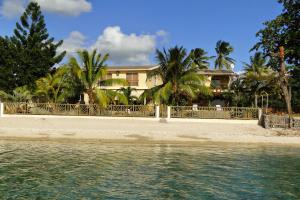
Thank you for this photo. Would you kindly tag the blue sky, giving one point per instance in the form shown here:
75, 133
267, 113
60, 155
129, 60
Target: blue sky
131, 30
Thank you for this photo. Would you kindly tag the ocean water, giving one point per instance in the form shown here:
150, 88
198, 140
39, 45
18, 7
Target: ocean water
52, 170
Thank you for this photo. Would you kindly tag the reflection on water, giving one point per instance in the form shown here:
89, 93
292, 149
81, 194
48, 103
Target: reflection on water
45, 170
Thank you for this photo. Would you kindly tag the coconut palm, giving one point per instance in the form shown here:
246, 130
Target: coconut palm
90, 69
180, 81
223, 61
258, 76
258, 65
127, 92
200, 58
20, 94
55, 87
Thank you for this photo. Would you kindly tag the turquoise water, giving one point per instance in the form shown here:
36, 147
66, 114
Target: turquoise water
48, 170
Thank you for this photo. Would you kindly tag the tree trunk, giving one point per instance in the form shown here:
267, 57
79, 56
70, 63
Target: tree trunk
284, 83
91, 96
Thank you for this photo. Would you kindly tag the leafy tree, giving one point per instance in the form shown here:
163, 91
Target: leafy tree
180, 81
295, 87
92, 71
279, 40
35, 53
7, 65
20, 94
223, 50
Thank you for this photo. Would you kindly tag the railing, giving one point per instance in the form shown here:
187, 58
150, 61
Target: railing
131, 111
79, 110
277, 121
213, 112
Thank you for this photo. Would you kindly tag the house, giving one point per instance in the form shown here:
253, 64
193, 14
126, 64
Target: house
218, 80
136, 76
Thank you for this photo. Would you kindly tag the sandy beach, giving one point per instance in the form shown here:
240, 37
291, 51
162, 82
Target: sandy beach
140, 130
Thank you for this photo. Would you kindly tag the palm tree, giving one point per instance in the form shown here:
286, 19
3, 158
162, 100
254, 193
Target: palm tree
127, 92
89, 72
54, 88
258, 65
199, 58
20, 94
223, 61
180, 80
258, 76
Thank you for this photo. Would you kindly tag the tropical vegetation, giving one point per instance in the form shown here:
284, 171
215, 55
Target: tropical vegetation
180, 81
92, 73
30, 68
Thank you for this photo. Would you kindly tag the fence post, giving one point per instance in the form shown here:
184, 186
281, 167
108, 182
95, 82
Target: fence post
169, 112
260, 115
1, 109
156, 112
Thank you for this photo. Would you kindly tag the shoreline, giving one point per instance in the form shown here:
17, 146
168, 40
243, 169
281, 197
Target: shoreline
143, 130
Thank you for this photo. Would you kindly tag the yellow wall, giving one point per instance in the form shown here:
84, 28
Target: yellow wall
144, 83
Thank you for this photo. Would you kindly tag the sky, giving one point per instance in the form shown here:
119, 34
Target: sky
131, 30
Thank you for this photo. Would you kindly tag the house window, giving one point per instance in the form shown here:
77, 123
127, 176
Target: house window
219, 82
132, 79
106, 77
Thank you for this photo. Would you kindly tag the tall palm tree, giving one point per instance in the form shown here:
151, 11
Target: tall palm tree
90, 69
180, 80
223, 61
127, 92
258, 76
20, 94
55, 87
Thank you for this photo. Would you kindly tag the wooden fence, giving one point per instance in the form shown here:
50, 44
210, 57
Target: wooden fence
213, 112
79, 109
131, 111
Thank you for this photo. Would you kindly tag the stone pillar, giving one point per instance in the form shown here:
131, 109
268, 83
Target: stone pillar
157, 112
169, 112
266, 123
1, 109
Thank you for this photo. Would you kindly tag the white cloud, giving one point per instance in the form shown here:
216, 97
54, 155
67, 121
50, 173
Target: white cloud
66, 7
11, 8
74, 42
125, 49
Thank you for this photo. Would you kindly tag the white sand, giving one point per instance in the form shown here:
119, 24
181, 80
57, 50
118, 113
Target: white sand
138, 129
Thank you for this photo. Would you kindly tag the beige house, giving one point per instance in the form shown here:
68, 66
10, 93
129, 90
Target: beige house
136, 76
